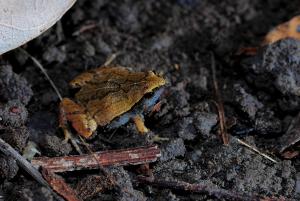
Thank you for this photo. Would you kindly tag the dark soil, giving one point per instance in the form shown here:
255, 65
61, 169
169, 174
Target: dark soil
175, 38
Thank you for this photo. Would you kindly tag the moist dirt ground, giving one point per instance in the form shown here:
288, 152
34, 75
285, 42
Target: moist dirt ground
176, 38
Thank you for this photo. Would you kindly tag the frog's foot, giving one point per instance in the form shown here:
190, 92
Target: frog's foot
30, 150
157, 138
74, 113
67, 135
140, 125
71, 138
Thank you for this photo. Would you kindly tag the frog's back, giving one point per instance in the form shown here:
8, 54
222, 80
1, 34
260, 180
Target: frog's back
112, 91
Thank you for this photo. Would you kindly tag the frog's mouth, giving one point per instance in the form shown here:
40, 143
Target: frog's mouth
74, 91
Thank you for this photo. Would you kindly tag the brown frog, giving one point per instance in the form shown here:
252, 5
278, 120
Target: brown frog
109, 96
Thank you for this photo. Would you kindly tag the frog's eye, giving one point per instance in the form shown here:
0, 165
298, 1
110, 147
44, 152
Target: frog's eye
151, 73
75, 84
81, 80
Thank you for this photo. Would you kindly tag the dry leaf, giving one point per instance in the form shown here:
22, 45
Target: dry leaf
23, 20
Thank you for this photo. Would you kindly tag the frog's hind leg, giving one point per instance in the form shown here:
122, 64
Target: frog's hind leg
140, 124
141, 127
147, 107
69, 137
76, 115
125, 118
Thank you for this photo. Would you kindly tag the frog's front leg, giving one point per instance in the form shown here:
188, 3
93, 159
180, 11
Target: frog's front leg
125, 118
140, 124
81, 121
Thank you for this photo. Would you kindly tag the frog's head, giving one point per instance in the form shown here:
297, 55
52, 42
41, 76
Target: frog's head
153, 81
81, 79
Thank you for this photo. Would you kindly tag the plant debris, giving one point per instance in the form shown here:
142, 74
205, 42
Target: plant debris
9, 151
197, 188
59, 185
133, 156
219, 103
17, 24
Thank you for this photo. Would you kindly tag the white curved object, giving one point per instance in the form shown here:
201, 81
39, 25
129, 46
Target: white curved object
23, 20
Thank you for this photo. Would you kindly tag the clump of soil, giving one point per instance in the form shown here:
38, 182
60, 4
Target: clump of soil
13, 113
14, 86
9, 168
175, 38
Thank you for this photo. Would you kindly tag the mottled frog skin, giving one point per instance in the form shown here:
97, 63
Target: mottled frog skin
109, 96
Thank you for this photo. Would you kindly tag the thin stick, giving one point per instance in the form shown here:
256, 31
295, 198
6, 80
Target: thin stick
110, 59
133, 156
113, 133
40, 66
219, 101
256, 150
211, 190
84, 28
72, 139
23, 163
101, 168
60, 186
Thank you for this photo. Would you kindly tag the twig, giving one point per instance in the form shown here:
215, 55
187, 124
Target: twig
72, 137
256, 150
85, 28
59, 185
29, 168
211, 190
100, 167
110, 59
133, 156
24, 164
40, 66
219, 102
